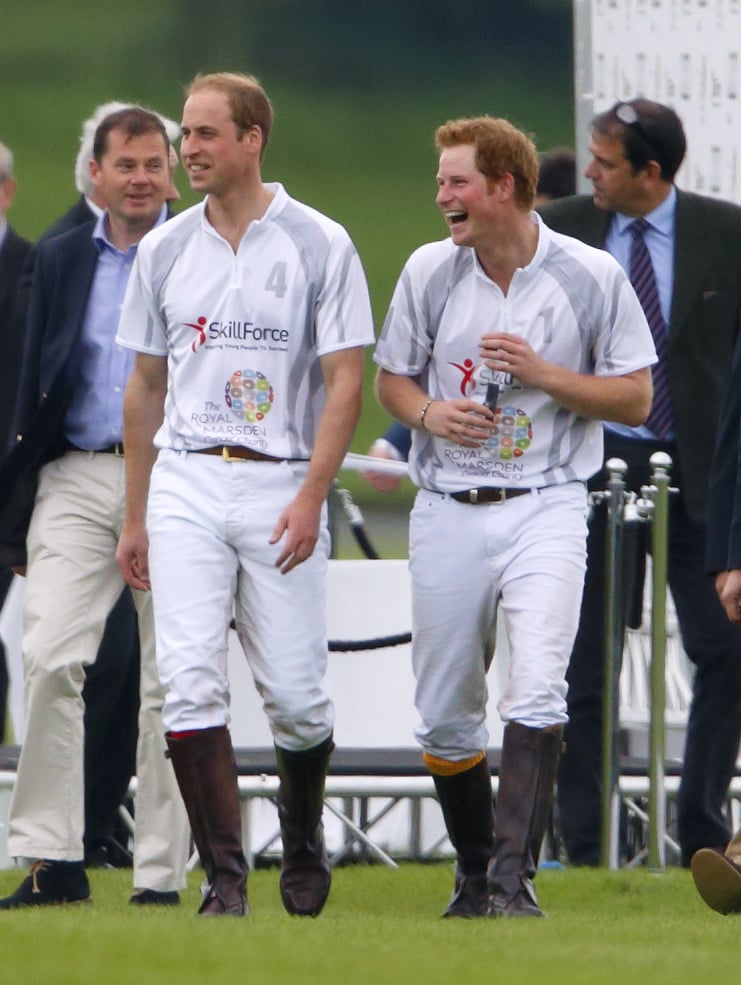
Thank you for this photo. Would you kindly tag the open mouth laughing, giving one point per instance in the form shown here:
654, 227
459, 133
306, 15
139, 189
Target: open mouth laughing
456, 216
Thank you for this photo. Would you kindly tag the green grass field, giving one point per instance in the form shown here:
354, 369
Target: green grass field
382, 927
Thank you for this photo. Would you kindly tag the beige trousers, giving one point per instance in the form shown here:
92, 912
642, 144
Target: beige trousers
72, 584
734, 848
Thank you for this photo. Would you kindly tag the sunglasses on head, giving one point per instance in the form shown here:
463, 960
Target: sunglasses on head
628, 114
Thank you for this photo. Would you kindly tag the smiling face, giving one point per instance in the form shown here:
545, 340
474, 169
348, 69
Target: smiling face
133, 177
464, 195
216, 156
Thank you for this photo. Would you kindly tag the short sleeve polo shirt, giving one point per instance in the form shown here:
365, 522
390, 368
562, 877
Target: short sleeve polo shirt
243, 333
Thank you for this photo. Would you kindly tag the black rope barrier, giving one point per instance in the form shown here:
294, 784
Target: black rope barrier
347, 646
357, 524
363, 541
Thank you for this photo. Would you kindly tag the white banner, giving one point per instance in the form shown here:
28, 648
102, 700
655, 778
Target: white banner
684, 53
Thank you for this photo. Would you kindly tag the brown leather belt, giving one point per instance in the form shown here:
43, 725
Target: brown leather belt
488, 494
232, 453
115, 449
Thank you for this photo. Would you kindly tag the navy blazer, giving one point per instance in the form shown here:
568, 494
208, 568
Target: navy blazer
13, 254
62, 281
76, 215
703, 325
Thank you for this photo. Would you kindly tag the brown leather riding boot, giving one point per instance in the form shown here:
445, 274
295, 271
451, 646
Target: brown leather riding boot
305, 875
526, 778
206, 772
467, 806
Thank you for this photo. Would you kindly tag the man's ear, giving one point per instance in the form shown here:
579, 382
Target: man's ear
253, 138
7, 193
504, 185
653, 171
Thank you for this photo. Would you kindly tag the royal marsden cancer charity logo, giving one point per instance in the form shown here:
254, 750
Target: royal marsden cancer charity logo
249, 395
512, 433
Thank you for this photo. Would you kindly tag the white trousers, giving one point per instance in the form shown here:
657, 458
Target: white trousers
209, 523
72, 585
525, 558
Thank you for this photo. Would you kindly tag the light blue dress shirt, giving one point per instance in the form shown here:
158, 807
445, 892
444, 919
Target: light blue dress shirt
659, 238
94, 418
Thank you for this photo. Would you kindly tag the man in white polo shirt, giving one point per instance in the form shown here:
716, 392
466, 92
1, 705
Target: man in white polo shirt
249, 317
503, 348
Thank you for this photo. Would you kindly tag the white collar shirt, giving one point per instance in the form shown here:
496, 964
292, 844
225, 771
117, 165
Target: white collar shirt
574, 306
244, 332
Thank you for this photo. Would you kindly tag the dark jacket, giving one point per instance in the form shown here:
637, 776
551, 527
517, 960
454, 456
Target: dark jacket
723, 550
703, 325
76, 215
62, 280
13, 254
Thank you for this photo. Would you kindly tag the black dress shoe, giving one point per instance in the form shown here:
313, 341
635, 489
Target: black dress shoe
520, 902
155, 897
470, 896
49, 883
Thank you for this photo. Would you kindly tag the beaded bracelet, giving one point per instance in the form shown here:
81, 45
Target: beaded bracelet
422, 414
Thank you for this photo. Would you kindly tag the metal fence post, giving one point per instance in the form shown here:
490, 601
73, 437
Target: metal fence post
614, 608
658, 492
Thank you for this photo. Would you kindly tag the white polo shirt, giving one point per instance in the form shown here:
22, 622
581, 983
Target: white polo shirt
575, 307
243, 332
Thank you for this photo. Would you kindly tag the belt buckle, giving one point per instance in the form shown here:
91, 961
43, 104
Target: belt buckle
229, 458
473, 497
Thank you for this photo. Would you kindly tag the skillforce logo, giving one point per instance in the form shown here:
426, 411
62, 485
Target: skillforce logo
467, 370
200, 328
249, 395
251, 336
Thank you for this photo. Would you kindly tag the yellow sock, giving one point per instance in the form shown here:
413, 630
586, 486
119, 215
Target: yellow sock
450, 767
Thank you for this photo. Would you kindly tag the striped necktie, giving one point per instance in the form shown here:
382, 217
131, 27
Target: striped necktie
643, 279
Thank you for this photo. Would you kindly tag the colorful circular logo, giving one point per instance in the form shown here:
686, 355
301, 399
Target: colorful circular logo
249, 395
512, 433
